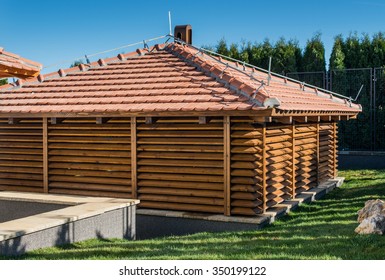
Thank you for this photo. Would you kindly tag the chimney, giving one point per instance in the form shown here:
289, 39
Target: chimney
183, 33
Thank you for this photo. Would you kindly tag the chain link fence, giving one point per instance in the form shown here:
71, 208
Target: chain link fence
367, 132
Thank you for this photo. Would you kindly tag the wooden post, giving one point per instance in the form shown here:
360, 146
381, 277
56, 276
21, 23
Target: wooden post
134, 179
334, 149
293, 161
264, 186
318, 173
45, 155
226, 164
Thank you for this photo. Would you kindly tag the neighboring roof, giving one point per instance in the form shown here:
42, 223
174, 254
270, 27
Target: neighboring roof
171, 78
12, 65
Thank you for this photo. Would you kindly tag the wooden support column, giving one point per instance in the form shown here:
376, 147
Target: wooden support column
45, 155
264, 168
227, 164
318, 174
134, 179
293, 161
334, 149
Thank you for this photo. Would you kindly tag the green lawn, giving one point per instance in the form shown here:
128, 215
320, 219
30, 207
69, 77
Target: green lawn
321, 230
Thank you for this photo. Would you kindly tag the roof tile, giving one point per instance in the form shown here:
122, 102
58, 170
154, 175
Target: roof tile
173, 79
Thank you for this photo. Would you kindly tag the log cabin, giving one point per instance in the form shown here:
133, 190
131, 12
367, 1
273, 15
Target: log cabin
175, 126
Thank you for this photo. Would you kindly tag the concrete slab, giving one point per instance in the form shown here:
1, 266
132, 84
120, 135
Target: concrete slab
104, 217
157, 223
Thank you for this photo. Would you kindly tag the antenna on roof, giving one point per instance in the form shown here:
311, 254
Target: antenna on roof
358, 94
169, 22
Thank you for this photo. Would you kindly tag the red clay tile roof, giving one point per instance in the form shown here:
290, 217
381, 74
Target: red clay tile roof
169, 78
12, 65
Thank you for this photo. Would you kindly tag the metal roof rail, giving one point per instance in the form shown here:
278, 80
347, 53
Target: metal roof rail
269, 73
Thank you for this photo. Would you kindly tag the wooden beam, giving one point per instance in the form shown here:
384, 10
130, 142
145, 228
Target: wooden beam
45, 156
326, 118
318, 147
264, 170
227, 164
55, 120
134, 167
344, 118
336, 118
262, 119
101, 120
334, 150
301, 119
293, 161
284, 120
314, 118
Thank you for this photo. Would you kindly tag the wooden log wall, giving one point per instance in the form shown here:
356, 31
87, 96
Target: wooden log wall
180, 164
223, 165
305, 157
326, 152
279, 173
246, 167
86, 158
21, 151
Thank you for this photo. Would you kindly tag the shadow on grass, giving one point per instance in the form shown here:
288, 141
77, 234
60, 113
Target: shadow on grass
321, 230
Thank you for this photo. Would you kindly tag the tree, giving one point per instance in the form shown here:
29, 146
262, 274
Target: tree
285, 56
337, 57
3, 82
314, 55
76, 63
352, 51
221, 47
378, 50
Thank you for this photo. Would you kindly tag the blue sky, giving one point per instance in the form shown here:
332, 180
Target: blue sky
53, 31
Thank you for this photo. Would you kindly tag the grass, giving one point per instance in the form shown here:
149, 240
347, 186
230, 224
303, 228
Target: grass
320, 230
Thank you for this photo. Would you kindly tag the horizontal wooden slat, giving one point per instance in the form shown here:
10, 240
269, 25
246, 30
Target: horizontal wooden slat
181, 177
180, 184
181, 170
181, 155
89, 159
89, 186
94, 180
181, 199
181, 207
180, 148
189, 162
181, 192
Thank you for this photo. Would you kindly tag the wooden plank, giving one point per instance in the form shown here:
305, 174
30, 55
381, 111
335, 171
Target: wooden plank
181, 156
85, 159
293, 160
180, 162
180, 185
318, 151
334, 150
134, 170
181, 192
181, 199
179, 133
45, 155
264, 170
181, 148
91, 193
180, 170
227, 165
181, 207
182, 177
